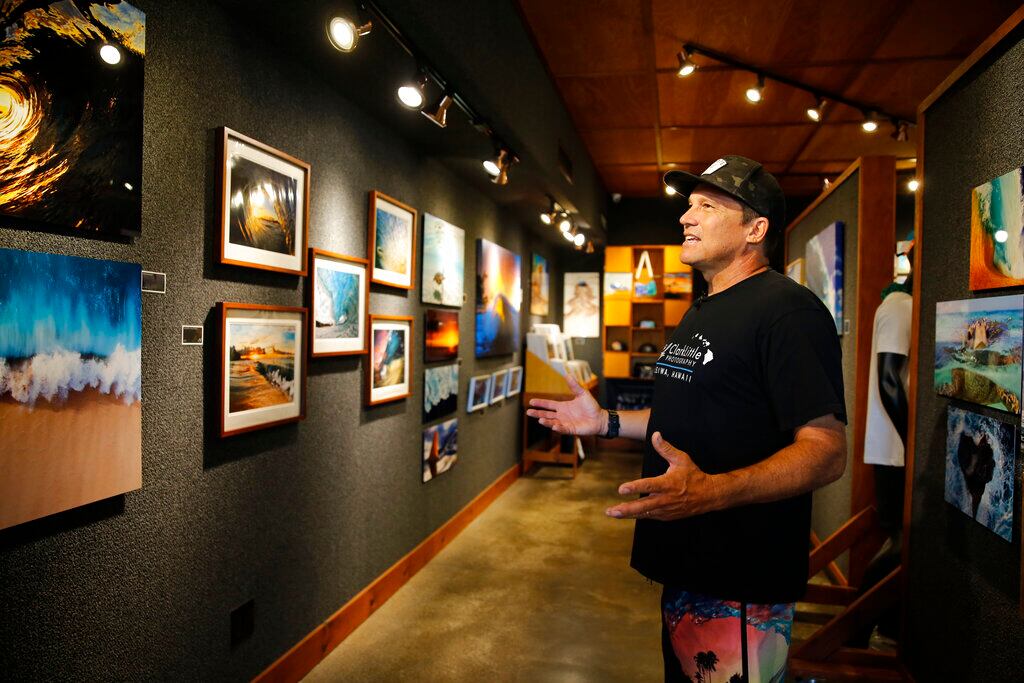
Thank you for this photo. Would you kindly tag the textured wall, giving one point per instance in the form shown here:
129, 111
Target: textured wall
299, 517
962, 576
832, 503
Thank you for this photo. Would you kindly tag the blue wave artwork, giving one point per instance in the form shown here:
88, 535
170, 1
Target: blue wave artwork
823, 260
980, 466
440, 391
440, 448
69, 324
337, 304
393, 242
498, 299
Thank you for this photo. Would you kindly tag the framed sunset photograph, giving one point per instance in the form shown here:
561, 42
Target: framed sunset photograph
263, 373
441, 336
339, 295
264, 205
390, 370
392, 240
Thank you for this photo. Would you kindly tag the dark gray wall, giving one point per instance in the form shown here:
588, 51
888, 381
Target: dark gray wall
964, 580
832, 503
300, 517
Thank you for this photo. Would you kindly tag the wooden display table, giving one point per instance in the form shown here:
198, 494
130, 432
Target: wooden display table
542, 381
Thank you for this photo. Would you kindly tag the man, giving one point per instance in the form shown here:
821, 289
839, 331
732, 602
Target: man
746, 420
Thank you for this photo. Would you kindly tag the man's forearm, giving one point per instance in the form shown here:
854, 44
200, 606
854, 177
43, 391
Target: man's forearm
807, 464
632, 423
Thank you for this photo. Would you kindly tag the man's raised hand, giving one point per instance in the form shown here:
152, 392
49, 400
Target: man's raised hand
582, 416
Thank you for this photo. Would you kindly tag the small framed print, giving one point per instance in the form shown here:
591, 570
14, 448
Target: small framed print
479, 393
263, 371
515, 381
499, 385
264, 205
392, 240
339, 297
390, 358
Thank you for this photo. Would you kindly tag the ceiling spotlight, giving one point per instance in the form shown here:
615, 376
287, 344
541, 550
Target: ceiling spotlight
498, 167
579, 239
344, 35
546, 218
814, 113
870, 124
901, 132
110, 54
565, 223
669, 190
590, 247
569, 235
825, 184
686, 65
439, 112
913, 184
756, 94
411, 94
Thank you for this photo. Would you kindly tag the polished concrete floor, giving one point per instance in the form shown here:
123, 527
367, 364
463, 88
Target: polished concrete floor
538, 588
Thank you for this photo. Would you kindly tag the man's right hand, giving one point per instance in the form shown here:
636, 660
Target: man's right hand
582, 416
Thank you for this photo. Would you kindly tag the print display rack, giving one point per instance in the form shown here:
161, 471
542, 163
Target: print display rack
542, 380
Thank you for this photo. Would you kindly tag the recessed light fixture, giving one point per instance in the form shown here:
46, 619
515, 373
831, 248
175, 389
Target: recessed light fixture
756, 94
110, 54
870, 124
814, 113
411, 94
686, 65
344, 34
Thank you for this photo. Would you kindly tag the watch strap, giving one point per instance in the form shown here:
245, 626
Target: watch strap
613, 425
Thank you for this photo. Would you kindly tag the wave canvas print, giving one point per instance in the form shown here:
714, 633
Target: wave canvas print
823, 269
440, 448
339, 291
71, 90
444, 262
440, 391
978, 350
70, 382
263, 373
980, 462
499, 297
264, 205
997, 233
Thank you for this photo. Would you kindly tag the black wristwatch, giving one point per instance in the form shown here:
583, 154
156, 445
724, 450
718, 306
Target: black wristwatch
613, 425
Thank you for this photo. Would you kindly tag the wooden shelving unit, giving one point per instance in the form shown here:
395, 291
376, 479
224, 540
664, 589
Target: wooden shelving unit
638, 320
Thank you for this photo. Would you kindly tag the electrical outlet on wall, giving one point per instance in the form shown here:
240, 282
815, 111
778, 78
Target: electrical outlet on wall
243, 622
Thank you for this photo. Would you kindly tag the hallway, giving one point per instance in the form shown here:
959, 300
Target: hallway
559, 604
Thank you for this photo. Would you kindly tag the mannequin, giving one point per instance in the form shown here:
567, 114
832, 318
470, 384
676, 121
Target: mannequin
886, 430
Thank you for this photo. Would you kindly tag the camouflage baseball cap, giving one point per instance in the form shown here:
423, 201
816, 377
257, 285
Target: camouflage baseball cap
744, 179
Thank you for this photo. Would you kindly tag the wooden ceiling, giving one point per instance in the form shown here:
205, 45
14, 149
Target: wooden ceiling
615, 63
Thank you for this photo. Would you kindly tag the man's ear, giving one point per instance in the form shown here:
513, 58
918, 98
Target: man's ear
757, 230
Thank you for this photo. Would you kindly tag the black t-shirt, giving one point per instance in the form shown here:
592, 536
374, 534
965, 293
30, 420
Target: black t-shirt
743, 369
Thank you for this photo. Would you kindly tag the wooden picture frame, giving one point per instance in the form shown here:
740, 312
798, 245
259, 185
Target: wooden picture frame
265, 392
387, 390
381, 203
248, 172
321, 260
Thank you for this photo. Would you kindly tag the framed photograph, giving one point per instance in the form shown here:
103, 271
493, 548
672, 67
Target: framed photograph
71, 387
444, 262
978, 348
263, 373
440, 448
479, 393
498, 385
540, 280
823, 269
677, 285
390, 359
499, 297
981, 459
71, 124
264, 205
441, 339
581, 311
997, 233
392, 241
339, 297
795, 271
515, 381
618, 286
440, 391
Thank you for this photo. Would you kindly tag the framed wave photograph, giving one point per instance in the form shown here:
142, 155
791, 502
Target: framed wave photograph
499, 385
390, 359
823, 269
339, 294
264, 205
444, 262
479, 393
392, 240
263, 371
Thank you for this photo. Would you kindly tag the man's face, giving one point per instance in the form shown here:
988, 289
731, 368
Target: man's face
713, 230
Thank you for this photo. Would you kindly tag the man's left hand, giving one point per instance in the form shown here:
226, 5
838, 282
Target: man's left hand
683, 491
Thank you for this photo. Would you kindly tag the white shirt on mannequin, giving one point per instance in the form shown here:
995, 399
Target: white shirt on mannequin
882, 444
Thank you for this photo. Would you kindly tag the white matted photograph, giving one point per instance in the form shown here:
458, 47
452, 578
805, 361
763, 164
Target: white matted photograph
339, 294
479, 395
515, 381
499, 385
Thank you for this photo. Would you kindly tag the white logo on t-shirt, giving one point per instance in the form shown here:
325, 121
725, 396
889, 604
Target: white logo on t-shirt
708, 357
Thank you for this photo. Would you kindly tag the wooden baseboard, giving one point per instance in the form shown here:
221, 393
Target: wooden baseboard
300, 660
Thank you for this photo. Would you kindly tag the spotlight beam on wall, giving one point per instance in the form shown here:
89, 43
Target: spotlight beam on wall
692, 49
